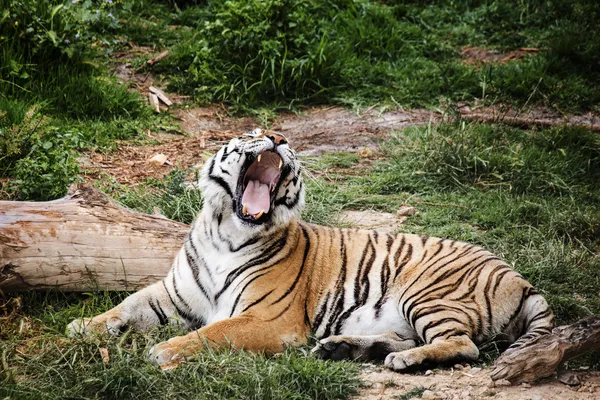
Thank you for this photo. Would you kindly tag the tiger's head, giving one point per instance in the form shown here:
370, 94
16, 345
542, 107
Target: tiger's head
255, 179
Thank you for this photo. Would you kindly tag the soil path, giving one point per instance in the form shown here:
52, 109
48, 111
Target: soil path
314, 131
466, 383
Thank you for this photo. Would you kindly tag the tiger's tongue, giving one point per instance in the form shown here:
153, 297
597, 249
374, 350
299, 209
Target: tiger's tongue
256, 197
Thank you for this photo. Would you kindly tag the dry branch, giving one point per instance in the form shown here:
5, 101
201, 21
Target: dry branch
81, 242
159, 57
154, 102
541, 357
161, 95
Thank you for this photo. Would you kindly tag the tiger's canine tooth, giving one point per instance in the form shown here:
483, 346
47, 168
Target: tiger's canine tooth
260, 214
244, 209
280, 163
259, 157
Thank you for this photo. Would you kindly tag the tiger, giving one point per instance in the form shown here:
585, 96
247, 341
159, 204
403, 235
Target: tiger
252, 275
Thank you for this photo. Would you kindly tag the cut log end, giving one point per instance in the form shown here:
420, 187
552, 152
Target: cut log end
541, 357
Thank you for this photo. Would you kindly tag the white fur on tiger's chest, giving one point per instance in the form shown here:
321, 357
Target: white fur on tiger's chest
221, 265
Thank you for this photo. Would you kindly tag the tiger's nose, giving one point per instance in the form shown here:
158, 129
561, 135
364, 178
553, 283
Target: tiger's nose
277, 139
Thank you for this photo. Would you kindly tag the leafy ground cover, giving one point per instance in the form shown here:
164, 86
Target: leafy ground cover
531, 195
258, 56
285, 52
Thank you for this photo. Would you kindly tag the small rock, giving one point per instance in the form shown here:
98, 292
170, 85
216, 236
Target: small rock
475, 370
537, 397
568, 378
158, 159
525, 385
502, 382
367, 367
431, 395
429, 372
465, 395
458, 367
405, 210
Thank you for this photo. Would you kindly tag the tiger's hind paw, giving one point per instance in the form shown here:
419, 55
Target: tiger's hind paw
402, 361
175, 350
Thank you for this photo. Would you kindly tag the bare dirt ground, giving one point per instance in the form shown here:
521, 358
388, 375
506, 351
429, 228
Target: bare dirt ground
313, 131
466, 383
478, 56
371, 219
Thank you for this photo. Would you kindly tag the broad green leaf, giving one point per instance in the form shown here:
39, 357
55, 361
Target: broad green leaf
55, 9
52, 35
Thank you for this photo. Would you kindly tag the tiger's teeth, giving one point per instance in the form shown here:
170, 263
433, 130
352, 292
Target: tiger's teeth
260, 214
259, 156
280, 163
244, 209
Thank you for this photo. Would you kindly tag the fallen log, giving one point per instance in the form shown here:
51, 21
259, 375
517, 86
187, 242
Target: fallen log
541, 357
84, 241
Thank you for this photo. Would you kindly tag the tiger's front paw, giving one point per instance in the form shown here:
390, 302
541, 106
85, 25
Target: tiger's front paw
174, 350
100, 324
163, 353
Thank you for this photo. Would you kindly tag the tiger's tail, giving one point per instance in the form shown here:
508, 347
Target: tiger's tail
537, 319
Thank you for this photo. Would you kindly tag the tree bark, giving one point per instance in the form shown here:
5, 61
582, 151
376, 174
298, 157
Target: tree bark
541, 357
84, 241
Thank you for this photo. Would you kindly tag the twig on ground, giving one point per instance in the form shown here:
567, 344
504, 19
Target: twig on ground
161, 95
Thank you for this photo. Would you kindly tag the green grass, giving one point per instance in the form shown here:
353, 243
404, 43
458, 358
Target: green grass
258, 56
39, 362
286, 53
57, 93
531, 196
170, 197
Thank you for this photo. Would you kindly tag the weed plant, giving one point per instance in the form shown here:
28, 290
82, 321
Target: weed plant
56, 95
284, 53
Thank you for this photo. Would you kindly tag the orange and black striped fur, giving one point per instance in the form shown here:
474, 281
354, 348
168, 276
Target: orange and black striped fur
251, 275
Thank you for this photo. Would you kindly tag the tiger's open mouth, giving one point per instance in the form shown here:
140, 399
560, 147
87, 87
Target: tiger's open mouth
257, 187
